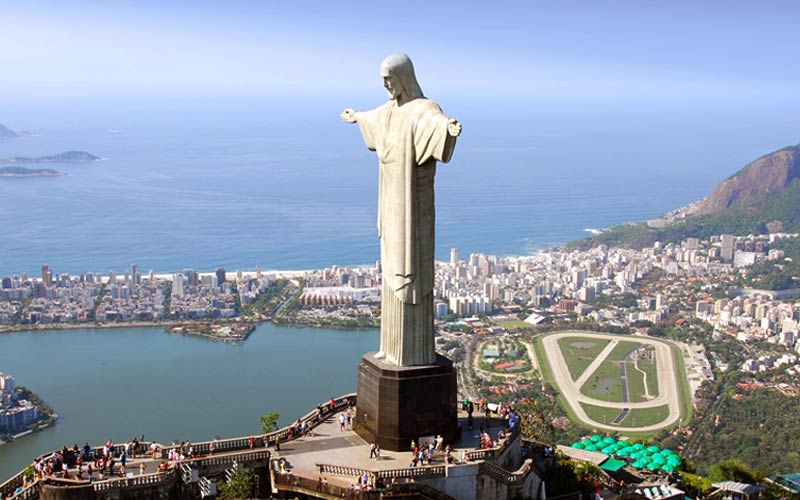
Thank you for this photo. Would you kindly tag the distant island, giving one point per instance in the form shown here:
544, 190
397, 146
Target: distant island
7, 133
28, 172
65, 157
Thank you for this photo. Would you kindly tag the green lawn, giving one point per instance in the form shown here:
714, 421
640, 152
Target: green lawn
635, 382
579, 352
606, 382
515, 324
649, 367
636, 418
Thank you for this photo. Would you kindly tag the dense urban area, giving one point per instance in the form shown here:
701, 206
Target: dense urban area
730, 301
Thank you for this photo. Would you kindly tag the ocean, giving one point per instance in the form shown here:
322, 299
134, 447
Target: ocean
236, 182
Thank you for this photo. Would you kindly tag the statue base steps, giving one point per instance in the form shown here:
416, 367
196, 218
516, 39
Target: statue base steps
398, 404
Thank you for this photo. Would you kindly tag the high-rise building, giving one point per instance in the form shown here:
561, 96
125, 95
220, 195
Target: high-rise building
728, 245
47, 275
177, 285
454, 256
135, 275
220, 276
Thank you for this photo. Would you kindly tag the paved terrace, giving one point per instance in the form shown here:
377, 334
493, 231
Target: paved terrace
338, 455
342, 455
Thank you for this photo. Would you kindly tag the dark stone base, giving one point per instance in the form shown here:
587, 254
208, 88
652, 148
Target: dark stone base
396, 405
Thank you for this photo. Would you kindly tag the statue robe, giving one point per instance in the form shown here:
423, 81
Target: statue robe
409, 140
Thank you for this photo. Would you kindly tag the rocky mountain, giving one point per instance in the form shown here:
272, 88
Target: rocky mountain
768, 174
7, 133
763, 197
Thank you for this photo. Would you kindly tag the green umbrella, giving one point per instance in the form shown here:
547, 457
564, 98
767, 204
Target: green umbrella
608, 450
591, 447
674, 461
596, 438
636, 455
653, 467
659, 460
646, 460
665, 453
638, 446
638, 464
609, 440
653, 449
668, 468
578, 446
623, 452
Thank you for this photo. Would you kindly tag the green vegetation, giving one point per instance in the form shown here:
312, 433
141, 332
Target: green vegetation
759, 427
510, 351
746, 217
267, 302
269, 422
240, 485
779, 274
579, 354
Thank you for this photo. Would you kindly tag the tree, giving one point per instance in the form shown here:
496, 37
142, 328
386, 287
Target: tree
269, 422
240, 484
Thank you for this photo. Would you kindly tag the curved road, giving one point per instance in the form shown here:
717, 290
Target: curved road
668, 393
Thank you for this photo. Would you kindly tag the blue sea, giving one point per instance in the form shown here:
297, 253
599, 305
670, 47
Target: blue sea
282, 182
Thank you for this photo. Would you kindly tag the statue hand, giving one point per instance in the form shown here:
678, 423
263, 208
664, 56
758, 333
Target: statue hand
349, 115
454, 127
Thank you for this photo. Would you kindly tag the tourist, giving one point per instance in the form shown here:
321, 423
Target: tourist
89, 471
341, 422
377, 451
142, 468
372, 450
252, 442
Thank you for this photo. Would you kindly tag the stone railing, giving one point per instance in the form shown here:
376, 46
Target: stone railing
497, 451
17, 480
312, 419
508, 478
342, 470
300, 484
154, 479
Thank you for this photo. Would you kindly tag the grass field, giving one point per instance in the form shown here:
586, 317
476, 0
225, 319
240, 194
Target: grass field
636, 418
515, 324
641, 417
606, 382
579, 354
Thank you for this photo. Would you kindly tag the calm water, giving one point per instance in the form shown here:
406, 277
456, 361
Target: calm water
119, 383
238, 182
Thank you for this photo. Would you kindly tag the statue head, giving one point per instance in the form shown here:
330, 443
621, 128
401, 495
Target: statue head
399, 78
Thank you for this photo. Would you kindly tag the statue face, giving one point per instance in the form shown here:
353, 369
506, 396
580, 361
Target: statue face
390, 83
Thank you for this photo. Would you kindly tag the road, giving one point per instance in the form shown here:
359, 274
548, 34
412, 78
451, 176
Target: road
668, 393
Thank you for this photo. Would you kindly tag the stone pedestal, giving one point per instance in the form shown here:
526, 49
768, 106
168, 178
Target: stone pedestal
398, 404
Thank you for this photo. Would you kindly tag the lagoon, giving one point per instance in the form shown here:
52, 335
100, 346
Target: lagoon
117, 383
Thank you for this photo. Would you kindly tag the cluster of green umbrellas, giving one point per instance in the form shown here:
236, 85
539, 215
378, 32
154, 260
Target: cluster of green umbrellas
651, 458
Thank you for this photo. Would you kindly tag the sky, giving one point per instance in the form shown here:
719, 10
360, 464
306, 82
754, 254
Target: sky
652, 50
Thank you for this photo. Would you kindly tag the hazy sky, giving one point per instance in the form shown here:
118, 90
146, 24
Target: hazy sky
664, 50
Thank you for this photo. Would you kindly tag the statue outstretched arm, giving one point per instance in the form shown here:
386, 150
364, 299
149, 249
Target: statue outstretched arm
350, 115
453, 127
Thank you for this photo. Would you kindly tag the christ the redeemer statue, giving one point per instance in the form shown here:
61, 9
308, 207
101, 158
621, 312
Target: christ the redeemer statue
410, 133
